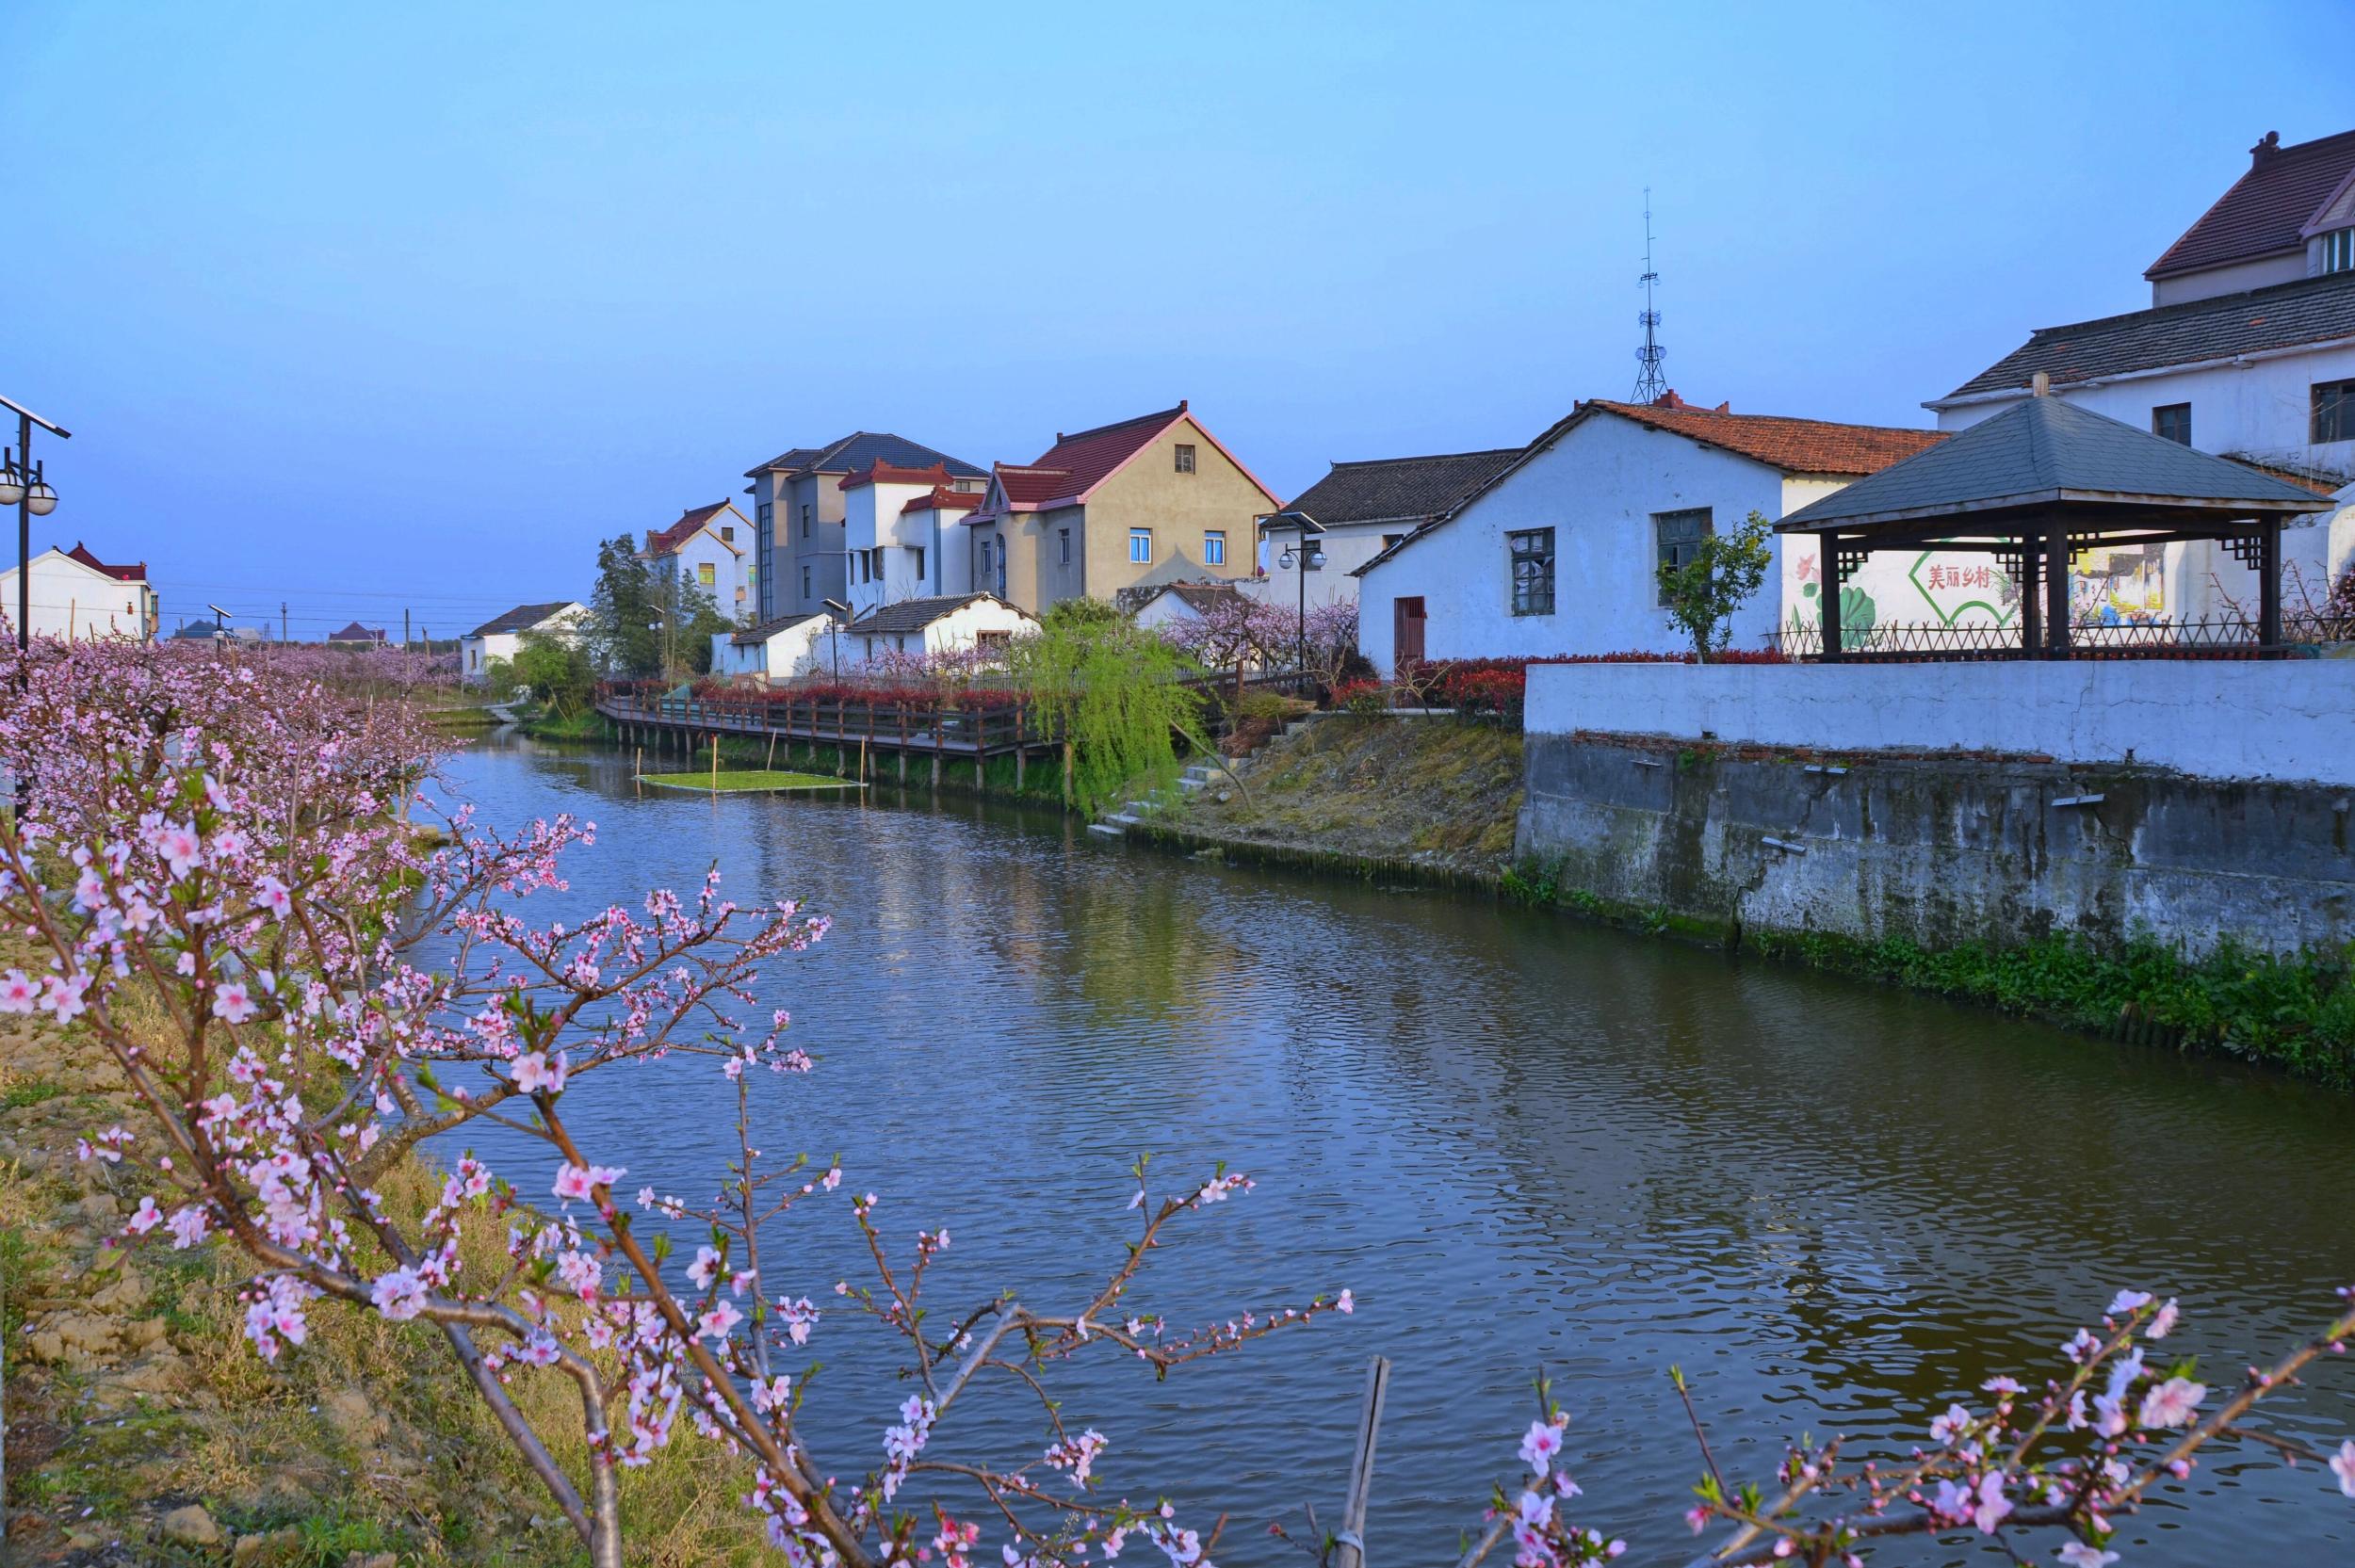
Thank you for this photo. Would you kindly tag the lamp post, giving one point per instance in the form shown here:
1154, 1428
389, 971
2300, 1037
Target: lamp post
1310, 555
839, 614
23, 487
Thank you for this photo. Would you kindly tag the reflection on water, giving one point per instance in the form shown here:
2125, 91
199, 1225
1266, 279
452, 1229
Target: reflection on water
1526, 1144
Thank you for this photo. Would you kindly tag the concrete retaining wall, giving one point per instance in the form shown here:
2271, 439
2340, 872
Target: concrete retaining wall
2290, 719
1732, 841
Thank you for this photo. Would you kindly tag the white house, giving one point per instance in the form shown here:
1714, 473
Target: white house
944, 624
711, 548
799, 558
777, 649
1170, 604
2246, 350
73, 593
1356, 511
1558, 552
901, 527
500, 637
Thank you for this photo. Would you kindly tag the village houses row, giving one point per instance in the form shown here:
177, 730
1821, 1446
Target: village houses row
2247, 349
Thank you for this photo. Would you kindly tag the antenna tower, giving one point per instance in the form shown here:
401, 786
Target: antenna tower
1649, 383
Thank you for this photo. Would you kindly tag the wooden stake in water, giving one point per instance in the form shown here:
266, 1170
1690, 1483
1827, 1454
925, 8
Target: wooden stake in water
1349, 1544
772, 764
638, 772
715, 765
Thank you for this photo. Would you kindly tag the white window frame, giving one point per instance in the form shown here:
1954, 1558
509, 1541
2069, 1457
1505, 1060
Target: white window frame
1140, 538
1214, 547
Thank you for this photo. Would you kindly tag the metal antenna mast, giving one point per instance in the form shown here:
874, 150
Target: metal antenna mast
1649, 383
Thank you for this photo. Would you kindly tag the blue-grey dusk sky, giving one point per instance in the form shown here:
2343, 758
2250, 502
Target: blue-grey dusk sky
366, 308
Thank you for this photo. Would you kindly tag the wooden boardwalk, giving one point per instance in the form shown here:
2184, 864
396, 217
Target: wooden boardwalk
686, 724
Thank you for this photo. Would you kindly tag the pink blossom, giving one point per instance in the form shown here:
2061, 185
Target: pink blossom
1539, 1444
188, 1226
1949, 1425
233, 1004
2076, 1554
2171, 1403
144, 1219
534, 1071
1992, 1506
2128, 1300
1345, 1304
271, 895
704, 1268
2163, 1321
399, 1295
177, 843
17, 992
2343, 1466
716, 1323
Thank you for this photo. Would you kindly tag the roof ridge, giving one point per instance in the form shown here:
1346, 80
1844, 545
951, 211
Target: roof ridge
1778, 418
1165, 415
2321, 283
1426, 457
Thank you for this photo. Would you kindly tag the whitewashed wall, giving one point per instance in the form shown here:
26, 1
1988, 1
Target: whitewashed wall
69, 599
958, 630
2284, 719
1597, 487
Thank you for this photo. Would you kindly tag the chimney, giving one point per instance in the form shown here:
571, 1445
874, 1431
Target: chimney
1668, 399
2267, 146
2041, 384
1726, 407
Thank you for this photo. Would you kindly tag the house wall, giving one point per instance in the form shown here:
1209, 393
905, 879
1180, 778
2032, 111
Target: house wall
1597, 487
779, 657
871, 518
1347, 547
67, 598
769, 560
952, 632
1179, 509
2235, 279
728, 587
822, 552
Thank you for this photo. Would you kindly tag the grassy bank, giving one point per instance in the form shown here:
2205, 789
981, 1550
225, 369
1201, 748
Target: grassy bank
754, 781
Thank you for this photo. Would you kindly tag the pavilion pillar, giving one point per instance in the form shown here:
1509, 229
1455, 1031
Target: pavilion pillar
2031, 602
1828, 594
2057, 588
2270, 583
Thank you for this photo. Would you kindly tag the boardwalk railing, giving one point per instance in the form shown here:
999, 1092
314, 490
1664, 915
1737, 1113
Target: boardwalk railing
971, 733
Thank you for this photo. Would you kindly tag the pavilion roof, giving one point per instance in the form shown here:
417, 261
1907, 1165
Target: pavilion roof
2042, 453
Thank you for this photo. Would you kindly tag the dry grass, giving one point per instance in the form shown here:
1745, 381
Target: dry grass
366, 1439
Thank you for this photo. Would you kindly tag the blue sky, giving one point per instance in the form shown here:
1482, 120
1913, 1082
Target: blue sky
359, 312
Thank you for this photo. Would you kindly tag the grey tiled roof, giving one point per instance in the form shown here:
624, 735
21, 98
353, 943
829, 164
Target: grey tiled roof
911, 615
2312, 310
521, 618
1387, 489
753, 636
862, 449
2037, 448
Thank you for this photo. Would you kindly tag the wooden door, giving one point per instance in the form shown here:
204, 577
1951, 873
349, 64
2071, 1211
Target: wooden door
1407, 631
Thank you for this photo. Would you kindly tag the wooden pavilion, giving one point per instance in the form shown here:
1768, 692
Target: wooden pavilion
2038, 483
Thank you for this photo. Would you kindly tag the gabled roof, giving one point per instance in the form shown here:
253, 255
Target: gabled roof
1198, 597
357, 633
690, 523
1067, 473
521, 618
1397, 490
860, 449
914, 615
2042, 451
1793, 445
753, 636
941, 499
2286, 316
2268, 209
936, 476
137, 573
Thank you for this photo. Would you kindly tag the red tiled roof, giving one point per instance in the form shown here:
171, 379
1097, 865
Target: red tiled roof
1794, 446
891, 473
2268, 208
1077, 464
941, 498
120, 573
665, 542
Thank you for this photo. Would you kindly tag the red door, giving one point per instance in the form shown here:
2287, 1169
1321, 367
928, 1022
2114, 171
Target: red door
1407, 631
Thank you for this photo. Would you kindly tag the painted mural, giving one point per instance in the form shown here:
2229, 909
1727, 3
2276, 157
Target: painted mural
2121, 586
1922, 588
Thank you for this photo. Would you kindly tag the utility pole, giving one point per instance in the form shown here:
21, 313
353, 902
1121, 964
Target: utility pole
404, 631
281, 619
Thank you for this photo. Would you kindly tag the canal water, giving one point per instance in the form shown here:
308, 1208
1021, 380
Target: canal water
1527, 1145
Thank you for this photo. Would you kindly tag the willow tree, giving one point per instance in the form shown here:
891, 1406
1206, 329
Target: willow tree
1116, 693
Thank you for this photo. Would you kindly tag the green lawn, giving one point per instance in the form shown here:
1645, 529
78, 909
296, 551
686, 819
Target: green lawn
755, 780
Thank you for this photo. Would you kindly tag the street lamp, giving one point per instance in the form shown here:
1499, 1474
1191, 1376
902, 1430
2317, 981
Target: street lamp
840, 613
1308, 555
23, 487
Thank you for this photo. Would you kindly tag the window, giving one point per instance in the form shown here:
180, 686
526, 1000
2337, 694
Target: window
1063, 539
728, 533
1679, 535
804, 519
1140, 546
706, 573
1185, 457
984, 557
993, 642
1214, 547
764, 515
2173, 422
1532, 553
2334, 411
2338, 250
920, 561
806, 590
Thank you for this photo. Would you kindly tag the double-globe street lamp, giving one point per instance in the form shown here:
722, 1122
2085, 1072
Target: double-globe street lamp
1307, 551
23, 487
